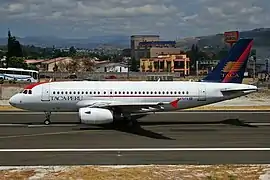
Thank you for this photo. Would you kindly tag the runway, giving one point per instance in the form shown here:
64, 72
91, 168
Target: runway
66, 142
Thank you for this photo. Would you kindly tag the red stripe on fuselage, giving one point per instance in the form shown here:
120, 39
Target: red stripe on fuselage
31, 86
175, 103
130, 96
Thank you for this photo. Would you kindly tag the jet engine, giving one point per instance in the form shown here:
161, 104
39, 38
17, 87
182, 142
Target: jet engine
95, 115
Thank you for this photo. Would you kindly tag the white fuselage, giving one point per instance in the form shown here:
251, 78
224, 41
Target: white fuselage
72, 95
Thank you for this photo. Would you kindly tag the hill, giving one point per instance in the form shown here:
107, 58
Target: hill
89, 43
261, 38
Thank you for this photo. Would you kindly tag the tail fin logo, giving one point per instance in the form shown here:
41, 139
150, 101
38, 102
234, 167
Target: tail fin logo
232, 66
231, 69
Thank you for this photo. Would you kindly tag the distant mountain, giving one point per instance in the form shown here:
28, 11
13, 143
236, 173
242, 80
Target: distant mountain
92, 42
261, 38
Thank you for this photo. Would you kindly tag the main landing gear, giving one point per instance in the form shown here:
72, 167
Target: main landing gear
131, 122
47, 120
124, 117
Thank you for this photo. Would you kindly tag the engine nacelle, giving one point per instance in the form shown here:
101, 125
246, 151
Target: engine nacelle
95, 115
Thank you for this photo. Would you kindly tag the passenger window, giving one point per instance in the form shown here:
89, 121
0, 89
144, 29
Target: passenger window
187, 92
104, 92
82, 92
86, 92
66, 92
53, 92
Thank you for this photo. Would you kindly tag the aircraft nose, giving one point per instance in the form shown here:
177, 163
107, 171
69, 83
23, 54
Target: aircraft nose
14, 100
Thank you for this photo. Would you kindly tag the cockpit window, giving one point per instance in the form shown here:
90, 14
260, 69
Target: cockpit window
27, 91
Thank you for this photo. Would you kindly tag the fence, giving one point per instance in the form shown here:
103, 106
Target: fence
102, 75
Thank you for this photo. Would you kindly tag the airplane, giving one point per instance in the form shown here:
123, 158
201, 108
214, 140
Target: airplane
104, 102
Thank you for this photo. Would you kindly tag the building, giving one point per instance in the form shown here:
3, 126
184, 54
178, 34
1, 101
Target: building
111, 67
151, 46
205, 66
136, 39
166, 63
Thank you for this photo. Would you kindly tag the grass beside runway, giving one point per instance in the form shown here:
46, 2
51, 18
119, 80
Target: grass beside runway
239, 108
190, 172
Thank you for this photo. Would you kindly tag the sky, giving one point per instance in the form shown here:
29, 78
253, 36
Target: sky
170, 19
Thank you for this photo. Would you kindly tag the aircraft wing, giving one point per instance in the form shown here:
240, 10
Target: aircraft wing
126, 106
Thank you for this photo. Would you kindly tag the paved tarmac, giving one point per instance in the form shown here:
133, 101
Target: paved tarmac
65, 141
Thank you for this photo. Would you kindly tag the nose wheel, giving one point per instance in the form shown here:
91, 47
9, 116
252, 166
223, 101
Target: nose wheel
47, 120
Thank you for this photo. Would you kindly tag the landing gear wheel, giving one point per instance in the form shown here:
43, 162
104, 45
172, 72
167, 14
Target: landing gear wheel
47, 122
131, 121
47, 119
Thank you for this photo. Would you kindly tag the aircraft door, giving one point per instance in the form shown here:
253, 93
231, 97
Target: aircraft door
45, 95
202, 93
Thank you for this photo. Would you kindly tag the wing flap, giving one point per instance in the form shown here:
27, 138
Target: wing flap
106, 103
127, 106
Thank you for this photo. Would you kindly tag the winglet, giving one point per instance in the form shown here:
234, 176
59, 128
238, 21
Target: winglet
175, 103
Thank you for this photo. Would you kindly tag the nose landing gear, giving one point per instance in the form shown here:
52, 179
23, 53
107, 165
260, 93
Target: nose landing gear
47, 120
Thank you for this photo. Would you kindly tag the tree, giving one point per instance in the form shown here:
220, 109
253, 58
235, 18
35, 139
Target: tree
17, 62
87, 65
72, 51
134, 65
14, 48
73, 66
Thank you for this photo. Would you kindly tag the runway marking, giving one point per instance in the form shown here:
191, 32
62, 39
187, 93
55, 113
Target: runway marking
39, 125
41, 134
260, 124
134, 149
